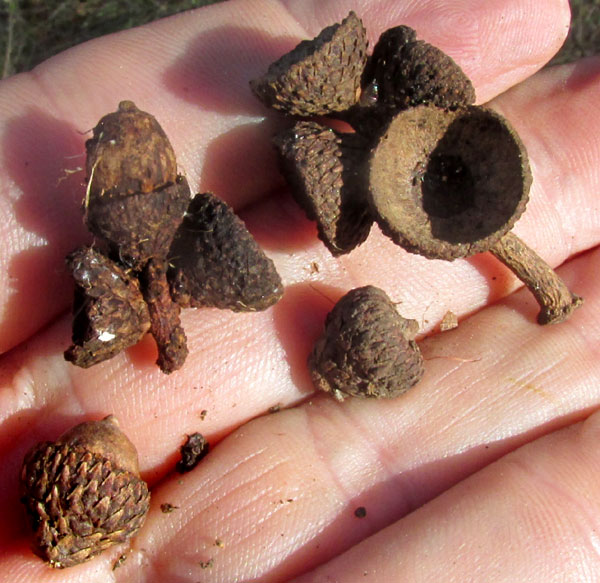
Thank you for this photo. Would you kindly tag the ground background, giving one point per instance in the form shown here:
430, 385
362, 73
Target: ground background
33, 30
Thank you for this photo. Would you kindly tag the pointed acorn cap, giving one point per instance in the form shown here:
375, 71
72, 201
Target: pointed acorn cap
318, 76
409, 72
367, 348
323, 169
140, 226
109, 310
215, 261
448, 184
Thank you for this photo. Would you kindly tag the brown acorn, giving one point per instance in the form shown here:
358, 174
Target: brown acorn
83, 492
319, 76
109, 312
409, 72
367, 348
135, 199
323, 169
215, 262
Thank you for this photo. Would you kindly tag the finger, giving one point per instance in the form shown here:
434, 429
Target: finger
191, 71
532, 516
278, 496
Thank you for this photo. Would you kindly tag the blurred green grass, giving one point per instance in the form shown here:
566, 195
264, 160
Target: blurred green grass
33, 30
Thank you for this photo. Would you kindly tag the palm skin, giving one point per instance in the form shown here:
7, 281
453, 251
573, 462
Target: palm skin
485, 471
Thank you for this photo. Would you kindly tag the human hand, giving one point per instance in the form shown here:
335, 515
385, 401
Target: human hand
485, 471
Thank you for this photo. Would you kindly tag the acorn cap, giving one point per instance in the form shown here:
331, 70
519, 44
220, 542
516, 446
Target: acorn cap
215, 261
318, 76
367, 349
323, 169
140, 226
83, 493
109, 311
408, 72
448, 184
128, 153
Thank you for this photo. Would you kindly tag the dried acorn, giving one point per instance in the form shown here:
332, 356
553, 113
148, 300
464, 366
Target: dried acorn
409, 72
322, 167
109, 312
320, 76
367, 349
214, 261
83, 492
135, 199
444, 178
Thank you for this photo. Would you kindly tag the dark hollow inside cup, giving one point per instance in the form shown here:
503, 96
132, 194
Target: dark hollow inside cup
448, 184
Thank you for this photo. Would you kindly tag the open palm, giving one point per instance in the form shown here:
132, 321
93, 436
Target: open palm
485, 471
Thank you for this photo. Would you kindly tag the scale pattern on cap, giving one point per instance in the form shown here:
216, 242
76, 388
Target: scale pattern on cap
367, 348
79, 504
323, 170
215, 262
410, 72
319, 76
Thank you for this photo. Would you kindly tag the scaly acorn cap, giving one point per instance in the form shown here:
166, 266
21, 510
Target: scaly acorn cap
367, 348
135, 200
215, 262
83, 492
323, 169
140, 226
319, 76
448, 184
110, 313
408, 72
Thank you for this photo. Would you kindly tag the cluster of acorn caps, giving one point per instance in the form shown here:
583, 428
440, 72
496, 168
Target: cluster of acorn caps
441, 177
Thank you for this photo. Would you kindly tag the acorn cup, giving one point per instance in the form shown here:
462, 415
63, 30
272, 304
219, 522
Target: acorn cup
323, 170
319, 76
448, 184
215, 261
409, 72
367, 349
83, 493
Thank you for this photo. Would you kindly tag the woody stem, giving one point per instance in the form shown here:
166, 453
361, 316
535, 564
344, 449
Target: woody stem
164, 317
554, 297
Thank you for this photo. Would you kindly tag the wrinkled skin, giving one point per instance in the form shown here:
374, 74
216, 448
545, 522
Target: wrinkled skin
485, 471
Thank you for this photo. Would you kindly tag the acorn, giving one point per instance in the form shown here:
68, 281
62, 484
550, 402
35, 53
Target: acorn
319, 76
367, 348
135, 200
409, 72
83, 492
109, 311
216, 262
322, 167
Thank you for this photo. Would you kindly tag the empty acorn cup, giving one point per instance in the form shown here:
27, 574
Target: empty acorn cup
448, 184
